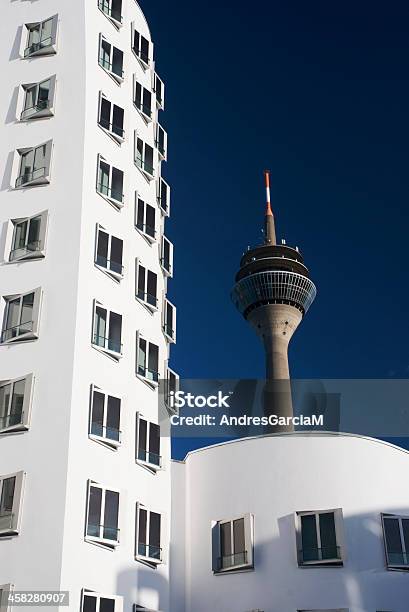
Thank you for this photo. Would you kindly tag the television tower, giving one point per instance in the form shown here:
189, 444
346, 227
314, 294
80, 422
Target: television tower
273, 291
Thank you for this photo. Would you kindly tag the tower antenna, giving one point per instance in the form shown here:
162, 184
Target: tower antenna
269, 225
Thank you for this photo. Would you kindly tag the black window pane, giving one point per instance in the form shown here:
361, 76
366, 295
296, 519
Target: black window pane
144, 50
117, 61
113, 417
152, 287
154, 441
94, 511
117, 184
405, 529
7, 494
154, 531
115, 331
118, 118
309, 537
238, 535
142, 526
111, 515
97, 414
142, 437
16, 413
105, 113
150, 220
89, 604
34, 234
225, 539
102, 249
153, 360
328, 536
116, 254
392, 535
140, 216
106, 605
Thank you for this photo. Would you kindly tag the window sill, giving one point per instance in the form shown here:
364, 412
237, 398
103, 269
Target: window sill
22, 338
107, 442
49, 50
41, 114
112, 354
115, 137
147, 176
153, 384
170, 339
116, 77
106, 544
149, 561
144, 65
13, 428
150, 239
149, 307
326, 563
166, 272
237, 569
398, 568
118, 24
115, 203
44, 180
144, 116
30, 255
114, 275
153, 467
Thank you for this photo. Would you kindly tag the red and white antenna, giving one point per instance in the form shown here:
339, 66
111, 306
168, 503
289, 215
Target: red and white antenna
269, 230
268, 200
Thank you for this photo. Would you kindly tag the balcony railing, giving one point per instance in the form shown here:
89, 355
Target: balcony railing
105, 8
398, 558
30, 177
6, 521
323, 554
42, 44
103, 431
145, 166
30, 247
231, 561
142, 56
151, 375
113, 194
103, 532
110, 264
108, 344
146, 229
8, 420
18, 330
149, 457
146, 110
111, 67
31, 111
150, 551
150, 299
111, 127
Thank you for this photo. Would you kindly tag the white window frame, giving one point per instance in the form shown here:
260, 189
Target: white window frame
162, 185
154, 466
39, 176
118, 78
143, 300
152, 382
162, 153
30, 334
26, 408
117, 599
160, 103
111, 443
118, 204
37, 49
100, 539
171, 337
167, 271
5, 605
338, 521
145, 64
142, 230
119, 138
105, 6
36, 112
248, 564
168, 387
13, 255
140, 158
153, 561
118, 276
105, 349
405, 553
140, 107
10, 523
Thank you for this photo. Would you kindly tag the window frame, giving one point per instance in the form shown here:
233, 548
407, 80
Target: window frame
38, 113
151, 307
146, 65
110, 442
152, 382
104, 349
404, 567
118, 23
248, 565
153, 561
117, 276
118, 204
148, 118
168, 271
340, 546
171, 337
24, 423
118, 78
38, 253
140, 157
51, 48
148, 453
5, 606
118, 138
31, 334
161, 185
142, 230
162, 153
41, 179
117, 599
160, 102
105, 542
14, 525
168, 387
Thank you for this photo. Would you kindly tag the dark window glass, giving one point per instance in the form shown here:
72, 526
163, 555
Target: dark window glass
154, 531
392, 534
225, 539
117, 61
97, 425
115, 331
105, 113
328, 535
94, 511
154, 440
142, 438
106, 605
145, 50
102, 249
142, 526
113, 418
111, 515
238, 535
140, 216
141, 282
150, 221
7, 495
89, 604
116, 254
309, 537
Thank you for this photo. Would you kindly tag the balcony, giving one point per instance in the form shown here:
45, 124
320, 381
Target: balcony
41, 109
36, 177
40, 47
17, 331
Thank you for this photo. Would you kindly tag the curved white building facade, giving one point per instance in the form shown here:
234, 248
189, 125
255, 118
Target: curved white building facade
291, 523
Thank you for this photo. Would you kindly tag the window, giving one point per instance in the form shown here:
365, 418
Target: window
233, 544
148, 535
169, 320
28, 240
144, 157
34, 165
21, 317
95, 602
38, 99
111, 118
171, 386
110, 183
166, 258
143, 100
113, 10
108, 255
147, 358
146, 285
396, 537
163, 196
142, 48
102, 516
11, 488
107, 331
161, 142
111, 59
145, 218
15, 403
41, 37
318, 536
5, 590
148, 442
159, 89
105, 417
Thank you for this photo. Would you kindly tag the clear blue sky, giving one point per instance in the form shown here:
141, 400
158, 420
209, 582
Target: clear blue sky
318, 93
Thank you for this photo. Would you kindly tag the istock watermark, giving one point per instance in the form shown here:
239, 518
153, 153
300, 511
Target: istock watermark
180, 399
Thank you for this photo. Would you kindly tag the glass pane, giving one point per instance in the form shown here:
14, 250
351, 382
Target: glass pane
17, 402
27, 163
106, 605
30, 99
34, 34
111, 515
138, 95
5, 394
117, 61
309, 538
46, 32
238, 536
225, 539
105, 113
7, 495
116, 10
142, 439
20, 233
328, 536
97, 419
103, 179
154, 535
100, 326
140, 216
13, 317
393, 540
147, 102
43, 94
139, 153
115, 330
141, 282
117, 184
113, 418
116, 255
105, 57
148, 159
33, 240
94, 512
27, 311
40, 158
142, 527
405, 529
142, 356
152, 288
154, 444
153, 361
118, 121
144, 50
150, 221
89, 604
102, 248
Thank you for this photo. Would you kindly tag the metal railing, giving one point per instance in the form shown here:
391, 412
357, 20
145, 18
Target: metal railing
114, 194
29, 177
109, 264
33, 110
6, 521
141, 55
144, 109
110, 67
108, 344
151, 551
42, 44
147, 373
150, 299
323, 554
146, 229
398, 558
30, 247
103, 532
13, 418
18, 330
145, 166
231, 561
103, 431
105, 8
149, 457
114, 129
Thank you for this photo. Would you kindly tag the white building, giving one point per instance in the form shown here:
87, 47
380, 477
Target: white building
84, 477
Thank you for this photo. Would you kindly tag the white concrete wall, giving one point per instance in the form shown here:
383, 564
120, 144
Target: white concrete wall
273, 477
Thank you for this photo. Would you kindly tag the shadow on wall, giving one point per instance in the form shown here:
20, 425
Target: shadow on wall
144, 586
11, 116
15, 49
8, 169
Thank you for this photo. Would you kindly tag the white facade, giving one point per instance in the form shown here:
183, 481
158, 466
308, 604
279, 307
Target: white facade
49, 537
272, 479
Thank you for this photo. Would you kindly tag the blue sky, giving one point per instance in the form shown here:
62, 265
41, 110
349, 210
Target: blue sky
318, 93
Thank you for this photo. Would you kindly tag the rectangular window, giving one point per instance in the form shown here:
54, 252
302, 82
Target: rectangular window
34, 166
102, 515
111, 59
113, 10
145, 218
11, 488
21, 317
41, 37
396, 538
169, 320
111, 118
96, 602
171, 386
107, 331
163, 196
148, 442
147, 365
166, 257
144, 157
233, 544
38, 99
143, 100
28, 240
161, 142
15, 403
142, 48
105, 417
318, 538
109, 252
146, 285
110, 183
159, 89
148, 532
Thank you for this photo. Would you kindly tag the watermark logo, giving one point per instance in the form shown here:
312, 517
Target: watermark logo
180, 399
